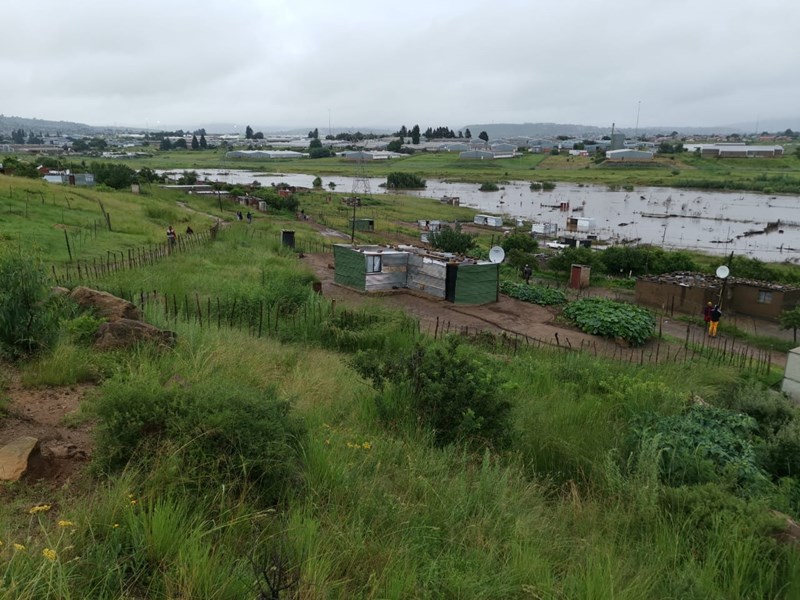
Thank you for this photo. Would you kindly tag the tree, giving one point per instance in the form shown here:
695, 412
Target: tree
165, 144
258, 135
248, 133
395, 145
317, 183
314, 134
790, 319
195, 143
484, 136
203, 142
314, 143
415, 135
449, 239
467, 133
180, 143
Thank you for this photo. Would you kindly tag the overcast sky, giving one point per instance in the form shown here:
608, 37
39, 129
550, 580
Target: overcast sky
288, 63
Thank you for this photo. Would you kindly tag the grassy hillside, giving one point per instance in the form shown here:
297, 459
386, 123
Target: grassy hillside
342, 454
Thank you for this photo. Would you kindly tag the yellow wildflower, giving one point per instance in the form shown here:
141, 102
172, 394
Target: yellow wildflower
66, 524
19, 547
366, 445
49, 554
133, 502
115, 525
39, 508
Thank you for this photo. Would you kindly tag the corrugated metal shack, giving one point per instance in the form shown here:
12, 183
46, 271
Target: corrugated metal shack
378, 268
690, 292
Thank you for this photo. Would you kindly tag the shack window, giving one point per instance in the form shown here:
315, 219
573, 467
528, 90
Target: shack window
764, 297
373, 264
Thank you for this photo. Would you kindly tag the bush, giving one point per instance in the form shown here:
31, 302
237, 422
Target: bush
449, 239
404, 181
563, 261
599, 316
445, 388
223, 429
488, 187
29, 313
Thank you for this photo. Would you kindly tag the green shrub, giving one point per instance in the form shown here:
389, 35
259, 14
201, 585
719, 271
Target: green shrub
607, 318
488, 186
404, 181
449, 239
446, 388
535, 294
29, 313
223, 429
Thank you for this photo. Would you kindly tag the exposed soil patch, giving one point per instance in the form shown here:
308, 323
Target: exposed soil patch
43, 413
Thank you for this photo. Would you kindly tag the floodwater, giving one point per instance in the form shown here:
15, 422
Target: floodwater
750, 224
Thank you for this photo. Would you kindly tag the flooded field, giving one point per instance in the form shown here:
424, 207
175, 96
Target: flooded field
755, 225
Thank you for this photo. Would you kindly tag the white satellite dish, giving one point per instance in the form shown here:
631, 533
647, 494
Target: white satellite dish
723, 271
497, 254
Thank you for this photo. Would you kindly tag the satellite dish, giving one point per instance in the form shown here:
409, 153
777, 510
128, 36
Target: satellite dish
723, 271
497, 254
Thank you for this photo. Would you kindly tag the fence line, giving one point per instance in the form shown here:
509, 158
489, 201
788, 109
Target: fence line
260, 319
85, 270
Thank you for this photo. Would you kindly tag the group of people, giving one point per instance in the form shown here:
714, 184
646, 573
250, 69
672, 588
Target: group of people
172, 235
241, 217
711, 315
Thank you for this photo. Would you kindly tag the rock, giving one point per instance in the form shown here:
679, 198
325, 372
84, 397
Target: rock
105, 305
789, 533
14, 457
125, 333
63, 451
60, 291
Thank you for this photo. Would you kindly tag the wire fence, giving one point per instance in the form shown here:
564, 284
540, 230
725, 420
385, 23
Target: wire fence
317, 318
85, 270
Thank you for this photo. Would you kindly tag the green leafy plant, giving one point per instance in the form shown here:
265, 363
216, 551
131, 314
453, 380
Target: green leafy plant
535, 294
705, 445
607, 318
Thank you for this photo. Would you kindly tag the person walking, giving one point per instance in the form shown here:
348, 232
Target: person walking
707, 315
526, 274
716, 313
172, 237
249, 217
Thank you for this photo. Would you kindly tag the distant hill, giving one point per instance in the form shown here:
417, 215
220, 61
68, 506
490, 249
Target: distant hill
9, 124
536, 130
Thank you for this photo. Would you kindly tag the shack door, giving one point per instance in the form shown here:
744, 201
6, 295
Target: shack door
450, 282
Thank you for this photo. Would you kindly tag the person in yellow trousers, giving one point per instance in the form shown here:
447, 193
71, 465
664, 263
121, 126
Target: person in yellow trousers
716, 313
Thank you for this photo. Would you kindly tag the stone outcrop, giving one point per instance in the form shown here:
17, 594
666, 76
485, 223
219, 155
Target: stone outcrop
105, 305
126, 333
14, 457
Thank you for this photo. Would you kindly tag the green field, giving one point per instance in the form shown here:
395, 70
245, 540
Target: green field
780, 175
330, 452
